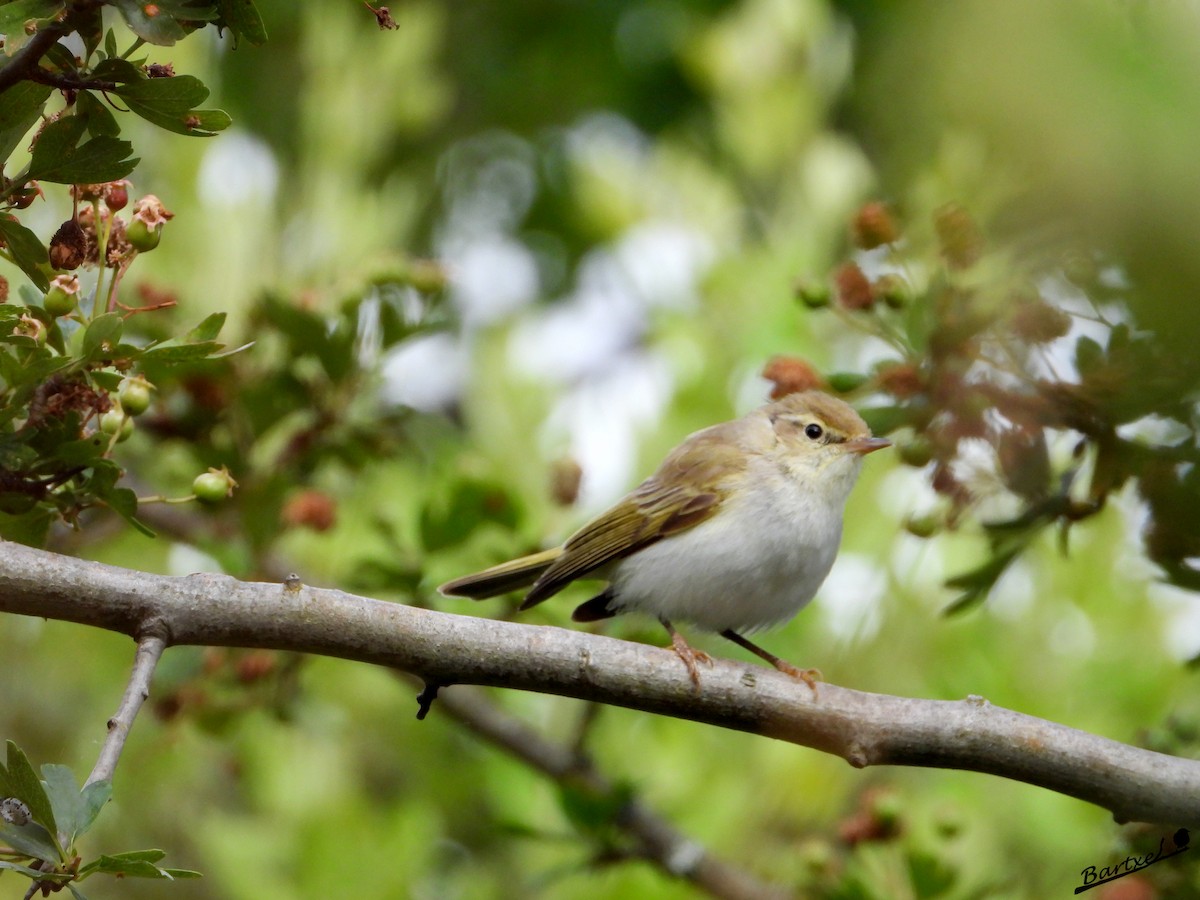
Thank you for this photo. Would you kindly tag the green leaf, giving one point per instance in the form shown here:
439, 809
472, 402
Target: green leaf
978, 582
24, 870
123, 502
100, 120
103, 329
592, 811
32, 840
207, 330
135, 864
29, 528
62, 59
89, 23
243, 20
107, 379
175, 353
171, 103
231, 351
58, 157
14, 15
27, 250
24, 784
471, 504
83, 452
196, 344
183, 873
1088, 355
63, 791
164, 96
161, 29
20, 106
150, 856
92, 799
931, 877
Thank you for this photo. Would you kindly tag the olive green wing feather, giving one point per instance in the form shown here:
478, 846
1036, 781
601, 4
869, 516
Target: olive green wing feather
508, 576
687, 489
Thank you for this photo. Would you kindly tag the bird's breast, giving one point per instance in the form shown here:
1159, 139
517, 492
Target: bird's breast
755, 563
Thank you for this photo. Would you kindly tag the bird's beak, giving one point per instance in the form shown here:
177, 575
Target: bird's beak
865, 445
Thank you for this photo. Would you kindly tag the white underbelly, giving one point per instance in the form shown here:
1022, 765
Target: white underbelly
750, 566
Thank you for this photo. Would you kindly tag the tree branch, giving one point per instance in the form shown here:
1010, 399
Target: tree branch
151, 644
26, 59
865, 729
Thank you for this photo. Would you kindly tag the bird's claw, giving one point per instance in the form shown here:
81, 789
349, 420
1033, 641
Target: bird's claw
808, 676
690, 657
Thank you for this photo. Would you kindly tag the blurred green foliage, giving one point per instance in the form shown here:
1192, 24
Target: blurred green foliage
663, 173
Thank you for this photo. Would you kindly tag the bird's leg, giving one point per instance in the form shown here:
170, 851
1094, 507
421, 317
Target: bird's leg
808, 676
686, 652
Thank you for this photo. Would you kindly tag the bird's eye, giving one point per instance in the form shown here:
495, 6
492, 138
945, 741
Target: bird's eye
814, 431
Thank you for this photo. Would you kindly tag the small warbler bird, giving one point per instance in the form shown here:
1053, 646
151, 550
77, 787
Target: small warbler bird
734, 532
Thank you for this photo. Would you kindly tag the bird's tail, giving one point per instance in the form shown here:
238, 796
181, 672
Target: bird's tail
508, 576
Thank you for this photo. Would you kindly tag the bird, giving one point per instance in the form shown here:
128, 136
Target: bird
734, 532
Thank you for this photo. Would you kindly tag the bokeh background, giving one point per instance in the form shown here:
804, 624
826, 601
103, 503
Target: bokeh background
623, 196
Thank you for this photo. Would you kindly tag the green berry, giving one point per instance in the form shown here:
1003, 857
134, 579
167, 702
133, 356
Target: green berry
61, 298
58, 302
116, 422
142, 237
213, 486
922, 526
135, 395
812, 293
845, 382
917, 452
894, 291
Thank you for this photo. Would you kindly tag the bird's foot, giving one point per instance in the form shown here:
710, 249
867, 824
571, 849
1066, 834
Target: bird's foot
808, 676
690, 656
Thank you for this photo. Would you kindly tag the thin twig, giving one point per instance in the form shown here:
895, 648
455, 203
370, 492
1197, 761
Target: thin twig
69, 82
658, 841
149, 650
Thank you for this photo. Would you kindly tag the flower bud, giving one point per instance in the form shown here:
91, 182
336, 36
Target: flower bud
1037, 322
789, 375
565, 477
116, 194
310, 509
874, 226
902, 380
959, 237
853, 289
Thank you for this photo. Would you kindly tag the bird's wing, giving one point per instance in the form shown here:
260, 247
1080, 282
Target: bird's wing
687, 489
